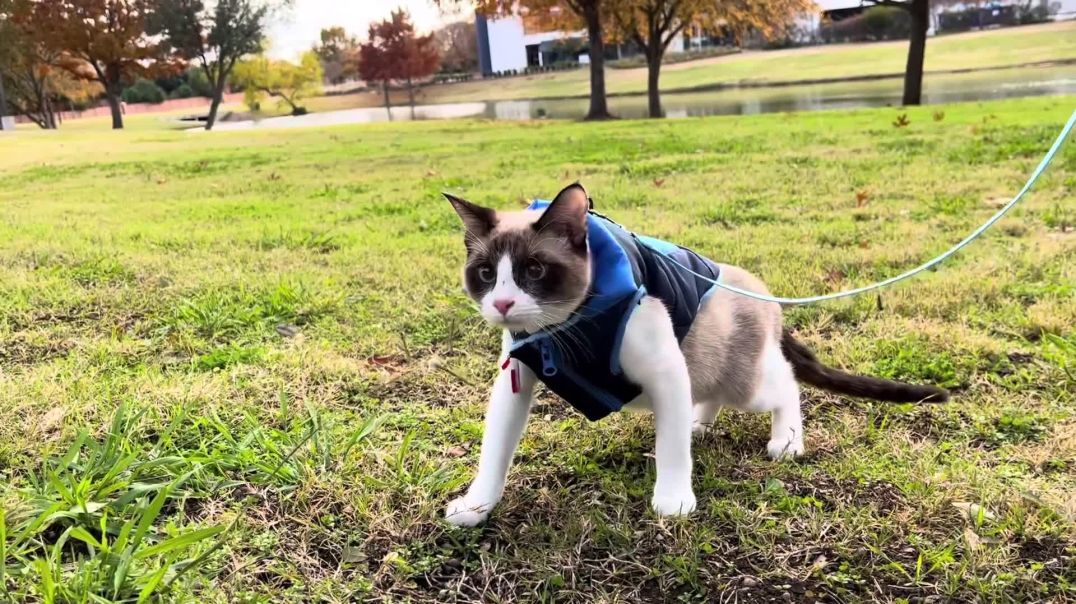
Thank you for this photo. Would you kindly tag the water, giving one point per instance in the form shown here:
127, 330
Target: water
998, 84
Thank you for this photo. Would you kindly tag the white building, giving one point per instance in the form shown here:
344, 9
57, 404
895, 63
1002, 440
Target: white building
507, 44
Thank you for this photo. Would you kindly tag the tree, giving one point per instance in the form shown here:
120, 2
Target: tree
339, 54
919, 11
654, 24
590, 14
103, 40
458, 46
395, 52
216, 38
286, 81
27, 67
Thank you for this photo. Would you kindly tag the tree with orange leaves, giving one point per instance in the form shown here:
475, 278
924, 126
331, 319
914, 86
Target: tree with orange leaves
395, 53
654, 24
569, 14
103, 40
27, 67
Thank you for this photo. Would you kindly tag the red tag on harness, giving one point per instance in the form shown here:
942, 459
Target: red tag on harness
514, 375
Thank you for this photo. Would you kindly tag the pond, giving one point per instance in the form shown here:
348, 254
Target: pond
944, 88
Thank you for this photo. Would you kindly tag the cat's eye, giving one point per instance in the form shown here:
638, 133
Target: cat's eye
485, 273
535, 270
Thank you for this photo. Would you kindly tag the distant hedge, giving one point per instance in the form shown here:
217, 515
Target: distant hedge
674, 57
532, 69
143, 91
184, 91
875, 23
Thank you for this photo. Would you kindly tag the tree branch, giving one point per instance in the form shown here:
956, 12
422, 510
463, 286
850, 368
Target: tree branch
672, 34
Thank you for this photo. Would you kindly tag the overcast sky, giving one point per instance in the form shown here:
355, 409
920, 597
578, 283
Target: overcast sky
299, 28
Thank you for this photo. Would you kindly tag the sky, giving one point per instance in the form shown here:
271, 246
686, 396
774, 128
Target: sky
297, 29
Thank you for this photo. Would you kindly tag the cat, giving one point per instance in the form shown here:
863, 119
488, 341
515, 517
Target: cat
608, 320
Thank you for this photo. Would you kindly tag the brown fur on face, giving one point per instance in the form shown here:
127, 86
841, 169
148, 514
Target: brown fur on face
547, 249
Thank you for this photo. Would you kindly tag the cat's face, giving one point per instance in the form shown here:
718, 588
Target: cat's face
527, 270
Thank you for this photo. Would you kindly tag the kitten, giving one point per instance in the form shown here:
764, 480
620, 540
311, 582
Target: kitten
609, 320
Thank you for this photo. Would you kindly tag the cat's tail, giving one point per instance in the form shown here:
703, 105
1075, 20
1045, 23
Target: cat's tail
809, 370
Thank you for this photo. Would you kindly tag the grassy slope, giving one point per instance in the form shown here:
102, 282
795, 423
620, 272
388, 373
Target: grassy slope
151, 269
980, 49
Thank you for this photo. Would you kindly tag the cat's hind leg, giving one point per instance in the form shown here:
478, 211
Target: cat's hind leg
779, 394
703, 415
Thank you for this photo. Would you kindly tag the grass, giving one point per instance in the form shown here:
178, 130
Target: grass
238, 367
995, 48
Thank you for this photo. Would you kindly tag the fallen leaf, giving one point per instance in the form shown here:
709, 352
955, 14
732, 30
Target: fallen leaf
834, 277
385, 360
457, 451
353, 554
972, 538
973, 510
901, 121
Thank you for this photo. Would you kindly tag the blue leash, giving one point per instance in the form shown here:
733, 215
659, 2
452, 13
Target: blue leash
1061, 138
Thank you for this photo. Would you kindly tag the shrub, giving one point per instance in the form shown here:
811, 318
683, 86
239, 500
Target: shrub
184, 91
143, 91
875, 23
674, 57
884, 22
199, 83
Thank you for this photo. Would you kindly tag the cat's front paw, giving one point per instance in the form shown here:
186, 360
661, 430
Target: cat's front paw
673, 504
464, 512
784, 448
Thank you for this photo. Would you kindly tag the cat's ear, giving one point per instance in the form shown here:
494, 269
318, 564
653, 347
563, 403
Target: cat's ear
479, 221
567, 214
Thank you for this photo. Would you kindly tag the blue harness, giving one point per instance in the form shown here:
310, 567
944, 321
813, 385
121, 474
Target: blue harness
579, 360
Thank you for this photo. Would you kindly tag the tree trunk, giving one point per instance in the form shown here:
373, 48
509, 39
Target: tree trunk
3, 104
411, 97
653, 72
917, 46
214, 105
599, 109
388, 102
114, 105
48, 113
218, 97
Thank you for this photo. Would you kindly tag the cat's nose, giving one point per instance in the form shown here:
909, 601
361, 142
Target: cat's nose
503, 306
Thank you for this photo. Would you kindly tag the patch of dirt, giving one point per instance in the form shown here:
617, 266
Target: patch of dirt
882, 496
20, 350
925, 423
551, 407
1049, 550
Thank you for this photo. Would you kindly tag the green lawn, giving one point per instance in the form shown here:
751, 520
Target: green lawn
262, 333
995, 48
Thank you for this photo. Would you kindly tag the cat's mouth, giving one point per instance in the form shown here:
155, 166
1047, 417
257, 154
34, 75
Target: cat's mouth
513, 324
